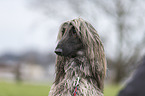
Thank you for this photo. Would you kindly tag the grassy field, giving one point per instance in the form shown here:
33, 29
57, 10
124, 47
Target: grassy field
14, 89
111, 90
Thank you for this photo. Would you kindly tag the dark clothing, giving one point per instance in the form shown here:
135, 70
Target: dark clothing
136, 87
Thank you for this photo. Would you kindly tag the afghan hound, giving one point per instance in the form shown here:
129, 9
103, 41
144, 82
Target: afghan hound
80, 63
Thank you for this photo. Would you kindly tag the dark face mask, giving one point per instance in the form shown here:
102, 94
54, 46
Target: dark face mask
70, 44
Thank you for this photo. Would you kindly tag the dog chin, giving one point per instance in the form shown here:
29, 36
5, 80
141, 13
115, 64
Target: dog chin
80, 53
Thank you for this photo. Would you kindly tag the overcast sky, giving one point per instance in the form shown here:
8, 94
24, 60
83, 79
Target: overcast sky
23, 29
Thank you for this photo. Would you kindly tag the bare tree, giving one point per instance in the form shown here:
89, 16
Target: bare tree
127, 17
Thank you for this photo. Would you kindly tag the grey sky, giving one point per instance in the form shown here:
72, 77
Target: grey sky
22, 29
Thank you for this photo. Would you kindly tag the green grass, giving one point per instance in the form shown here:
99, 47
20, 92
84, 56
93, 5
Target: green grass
14, 89
111, 90
20, 89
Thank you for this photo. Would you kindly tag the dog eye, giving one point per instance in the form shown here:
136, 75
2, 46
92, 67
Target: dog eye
74, 32
63, 31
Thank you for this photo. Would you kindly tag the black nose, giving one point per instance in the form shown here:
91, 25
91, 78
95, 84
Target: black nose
58, 51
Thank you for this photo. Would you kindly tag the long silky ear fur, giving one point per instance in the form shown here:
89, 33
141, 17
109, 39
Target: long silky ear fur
94, 49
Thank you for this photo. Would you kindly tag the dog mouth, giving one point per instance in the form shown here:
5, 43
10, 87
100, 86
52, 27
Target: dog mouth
72, 54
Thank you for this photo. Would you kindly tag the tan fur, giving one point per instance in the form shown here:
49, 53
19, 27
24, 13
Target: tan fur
91, 67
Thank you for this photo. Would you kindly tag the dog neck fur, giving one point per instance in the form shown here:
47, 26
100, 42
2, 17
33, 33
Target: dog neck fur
74, 68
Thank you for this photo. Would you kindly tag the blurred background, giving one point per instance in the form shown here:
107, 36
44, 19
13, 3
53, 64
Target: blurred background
28, 36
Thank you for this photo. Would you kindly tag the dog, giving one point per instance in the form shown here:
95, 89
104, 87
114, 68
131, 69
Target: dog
81, 63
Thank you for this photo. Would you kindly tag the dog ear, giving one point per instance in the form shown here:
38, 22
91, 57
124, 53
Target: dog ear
98, 76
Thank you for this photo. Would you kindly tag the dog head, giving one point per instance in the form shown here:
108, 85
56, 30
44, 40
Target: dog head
70, 45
